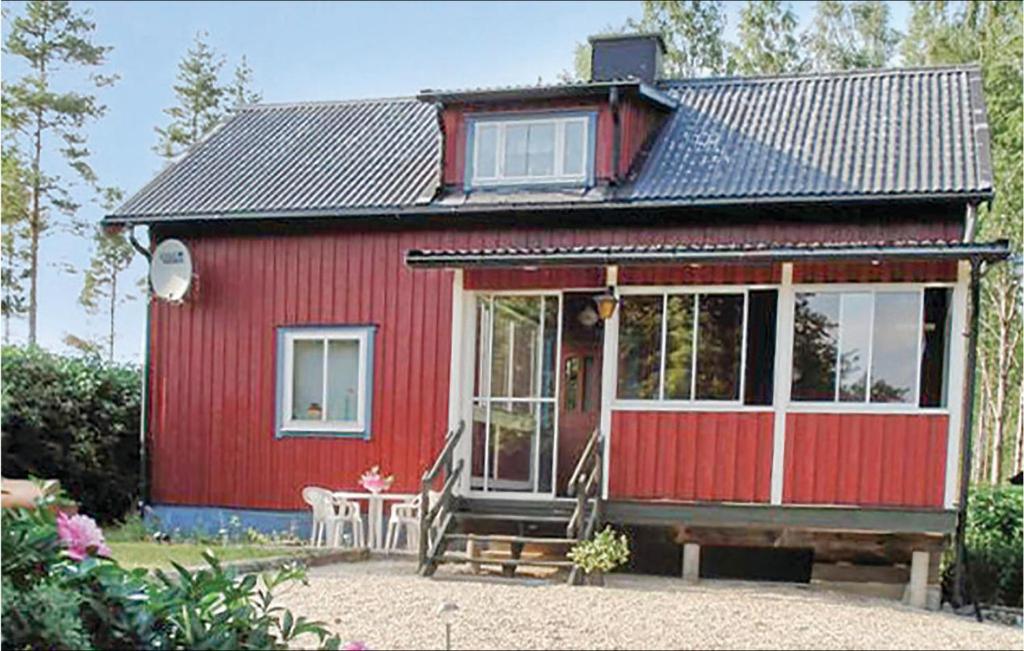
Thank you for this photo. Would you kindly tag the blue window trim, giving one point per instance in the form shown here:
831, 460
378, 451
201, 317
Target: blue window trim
473, 119
370, 332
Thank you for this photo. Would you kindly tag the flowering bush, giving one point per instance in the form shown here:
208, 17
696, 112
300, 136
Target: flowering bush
60, 591
603, 553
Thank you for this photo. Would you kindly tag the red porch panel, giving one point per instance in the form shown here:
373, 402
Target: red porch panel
866, 459
691, 456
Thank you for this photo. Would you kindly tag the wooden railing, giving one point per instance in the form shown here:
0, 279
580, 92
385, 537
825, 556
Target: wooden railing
436, 517
585, 486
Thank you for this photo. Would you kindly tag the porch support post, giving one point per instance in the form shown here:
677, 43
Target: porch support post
917, 589
956, 375
609, 380
691, 562
782, 378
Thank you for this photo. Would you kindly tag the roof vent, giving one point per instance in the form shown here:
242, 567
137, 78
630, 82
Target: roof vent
622, 56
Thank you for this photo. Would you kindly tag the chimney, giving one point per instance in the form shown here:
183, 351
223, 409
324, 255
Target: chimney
620, 56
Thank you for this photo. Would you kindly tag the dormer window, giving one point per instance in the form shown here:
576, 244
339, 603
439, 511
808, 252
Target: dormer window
537, 149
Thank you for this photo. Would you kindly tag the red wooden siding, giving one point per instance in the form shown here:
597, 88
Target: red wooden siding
702, 275
865, 459
213, 358
691, 456
546, 278
865, 272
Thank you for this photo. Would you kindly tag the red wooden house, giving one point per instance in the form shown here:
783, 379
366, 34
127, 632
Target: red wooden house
776, 352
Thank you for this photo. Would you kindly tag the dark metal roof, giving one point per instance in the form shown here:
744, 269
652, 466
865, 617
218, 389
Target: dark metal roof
840, 137
708, 252
582, 89
886, 132
302, 157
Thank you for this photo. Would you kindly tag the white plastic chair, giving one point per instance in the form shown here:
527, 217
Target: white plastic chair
347, 513
406, 514
325, 518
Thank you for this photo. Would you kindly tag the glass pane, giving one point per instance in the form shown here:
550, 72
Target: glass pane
486, 151
855, 337
934, 360
548, 365
307, 379
815, 329
719, 344
514, 428
760, 362
479, 434
639, 346
515, 150
894, 358
483, 337
572, 158
343, 380
541, 150
679, 348
516, 355
545, 457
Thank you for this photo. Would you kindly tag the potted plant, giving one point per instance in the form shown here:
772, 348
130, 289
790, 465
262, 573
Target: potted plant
602, 553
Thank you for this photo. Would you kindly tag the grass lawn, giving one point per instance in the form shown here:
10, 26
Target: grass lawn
149, 554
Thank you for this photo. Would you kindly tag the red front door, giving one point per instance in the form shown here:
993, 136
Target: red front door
579, 410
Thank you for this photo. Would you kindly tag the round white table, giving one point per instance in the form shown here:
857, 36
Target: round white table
374, 512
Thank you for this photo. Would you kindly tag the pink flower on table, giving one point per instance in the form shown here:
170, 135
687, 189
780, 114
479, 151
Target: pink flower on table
373, 482
355, 646
81, 536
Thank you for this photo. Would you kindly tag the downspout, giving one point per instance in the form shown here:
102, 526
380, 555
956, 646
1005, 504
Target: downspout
439, 114
613, 104
959, 574
144, 399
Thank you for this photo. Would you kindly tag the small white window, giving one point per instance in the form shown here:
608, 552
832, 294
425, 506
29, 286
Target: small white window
325, 379
530, 150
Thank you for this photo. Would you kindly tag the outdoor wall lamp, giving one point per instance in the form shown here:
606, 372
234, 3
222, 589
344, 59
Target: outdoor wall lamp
606, 303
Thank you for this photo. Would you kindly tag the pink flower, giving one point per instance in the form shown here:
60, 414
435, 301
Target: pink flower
373, 482
355, 646
81, 536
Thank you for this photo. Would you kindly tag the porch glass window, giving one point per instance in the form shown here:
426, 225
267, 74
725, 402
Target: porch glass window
682, 346
324, 380
866, 346
514, 151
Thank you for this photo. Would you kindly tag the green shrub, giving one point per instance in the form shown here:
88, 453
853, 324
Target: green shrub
995, 543
52, 601
75, 419
603, 553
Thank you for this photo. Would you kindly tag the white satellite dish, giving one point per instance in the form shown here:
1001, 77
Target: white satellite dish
170, 270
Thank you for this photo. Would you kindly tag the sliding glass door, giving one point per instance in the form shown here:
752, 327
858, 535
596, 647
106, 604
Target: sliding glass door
514, 396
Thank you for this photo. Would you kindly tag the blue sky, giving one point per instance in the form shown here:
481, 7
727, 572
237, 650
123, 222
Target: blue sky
299, 51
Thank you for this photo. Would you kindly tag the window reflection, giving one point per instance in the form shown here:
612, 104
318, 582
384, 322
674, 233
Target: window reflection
815, 338
639, 347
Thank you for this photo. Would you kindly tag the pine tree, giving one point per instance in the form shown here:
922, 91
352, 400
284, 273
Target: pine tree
850, 35
200, 99
14, 208
768, 42
112, 255
51, 37
241, 91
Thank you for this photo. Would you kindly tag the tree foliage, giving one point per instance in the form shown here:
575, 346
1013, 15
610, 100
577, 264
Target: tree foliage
75, 419
51, 37
202, 98
693, 31
850, 35
767, 40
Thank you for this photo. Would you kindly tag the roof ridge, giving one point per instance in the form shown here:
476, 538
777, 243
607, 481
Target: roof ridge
266, 106
861, 72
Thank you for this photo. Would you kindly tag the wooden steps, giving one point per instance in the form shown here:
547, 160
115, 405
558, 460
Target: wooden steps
507, 539
450, 557
527, 518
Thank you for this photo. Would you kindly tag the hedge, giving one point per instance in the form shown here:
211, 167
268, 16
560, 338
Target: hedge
76, 419
995, 543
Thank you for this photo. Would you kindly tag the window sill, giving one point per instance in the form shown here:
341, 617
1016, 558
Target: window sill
321, 433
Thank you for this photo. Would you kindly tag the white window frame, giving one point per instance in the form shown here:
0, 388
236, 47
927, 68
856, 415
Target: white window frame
558, 176
361, 335
866, 405
692, 404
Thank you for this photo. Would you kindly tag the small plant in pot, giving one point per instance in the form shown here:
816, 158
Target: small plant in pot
601, 554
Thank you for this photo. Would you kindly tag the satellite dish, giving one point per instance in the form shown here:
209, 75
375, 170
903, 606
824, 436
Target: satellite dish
170, 270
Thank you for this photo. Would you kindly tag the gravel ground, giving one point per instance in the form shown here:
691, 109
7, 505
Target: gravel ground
386, 605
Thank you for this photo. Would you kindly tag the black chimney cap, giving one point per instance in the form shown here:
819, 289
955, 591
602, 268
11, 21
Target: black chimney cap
624, 56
